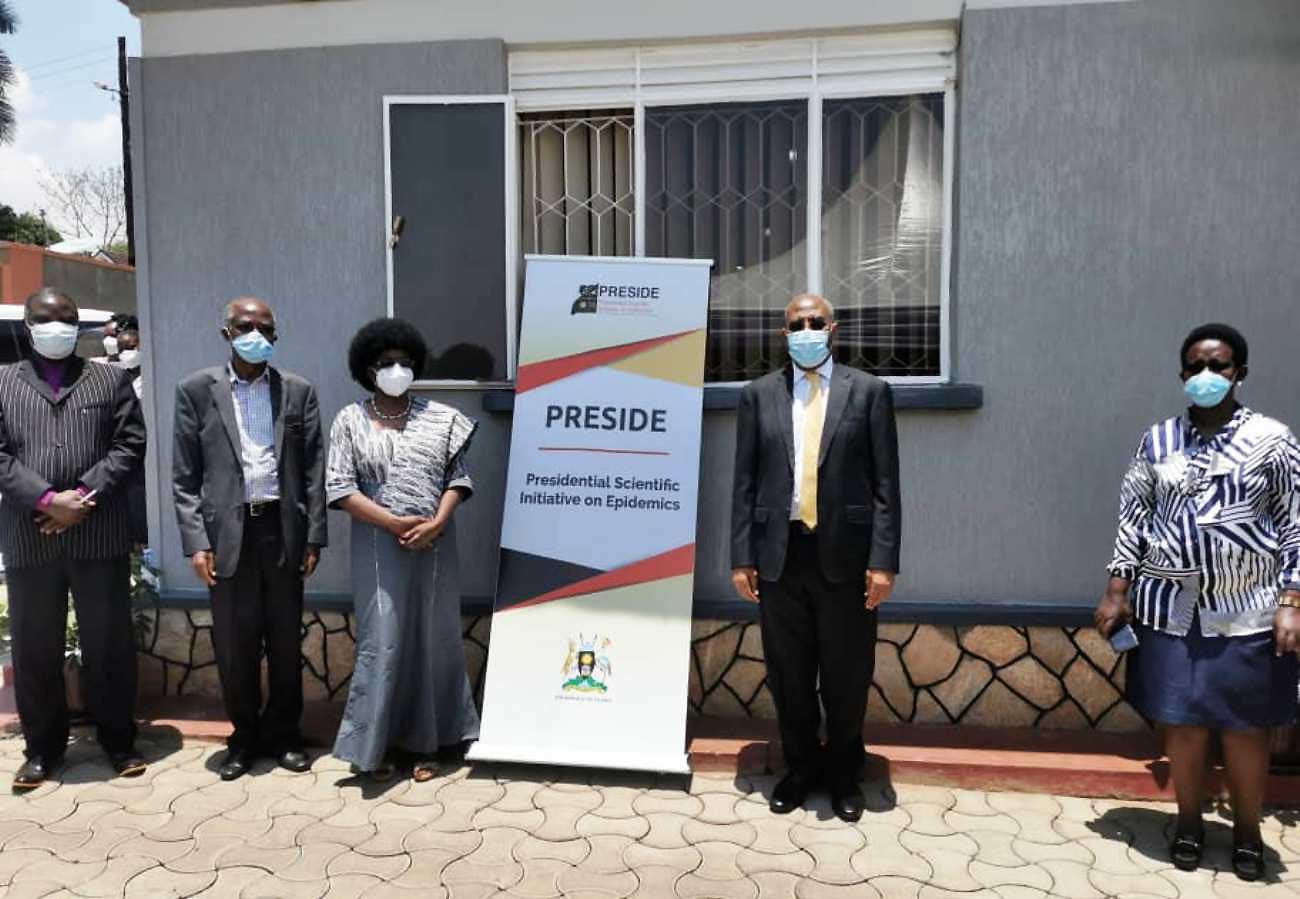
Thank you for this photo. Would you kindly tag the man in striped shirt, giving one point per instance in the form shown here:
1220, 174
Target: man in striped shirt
71, 434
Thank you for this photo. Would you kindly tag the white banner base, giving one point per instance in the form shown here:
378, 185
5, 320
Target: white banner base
669, 763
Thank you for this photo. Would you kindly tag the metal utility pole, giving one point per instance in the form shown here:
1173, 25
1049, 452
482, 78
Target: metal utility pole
124, 101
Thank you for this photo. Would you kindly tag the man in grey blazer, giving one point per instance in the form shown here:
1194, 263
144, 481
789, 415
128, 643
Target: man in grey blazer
71, 434
815, 526
248, 477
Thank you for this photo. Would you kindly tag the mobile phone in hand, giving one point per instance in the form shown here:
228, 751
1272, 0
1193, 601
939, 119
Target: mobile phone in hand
1124, 639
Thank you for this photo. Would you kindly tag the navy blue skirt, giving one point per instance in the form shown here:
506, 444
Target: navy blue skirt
1231, 683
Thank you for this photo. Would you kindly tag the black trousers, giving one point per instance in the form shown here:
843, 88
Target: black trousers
817, 633
38, 614
259, 610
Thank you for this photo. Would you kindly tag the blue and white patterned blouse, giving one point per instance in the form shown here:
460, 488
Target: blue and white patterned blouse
1211, 526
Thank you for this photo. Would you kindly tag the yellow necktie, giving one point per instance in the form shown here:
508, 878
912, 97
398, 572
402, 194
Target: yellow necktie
814, 415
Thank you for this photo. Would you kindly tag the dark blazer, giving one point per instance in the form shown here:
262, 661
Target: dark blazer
859, 515
208, 468
91, 434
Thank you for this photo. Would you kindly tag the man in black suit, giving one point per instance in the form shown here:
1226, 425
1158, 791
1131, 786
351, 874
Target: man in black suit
71, 434
815, 525
248, 477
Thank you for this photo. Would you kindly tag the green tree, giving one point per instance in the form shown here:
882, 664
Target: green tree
25, 227
8, 25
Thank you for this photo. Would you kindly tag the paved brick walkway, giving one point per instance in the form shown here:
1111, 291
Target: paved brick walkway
507, 830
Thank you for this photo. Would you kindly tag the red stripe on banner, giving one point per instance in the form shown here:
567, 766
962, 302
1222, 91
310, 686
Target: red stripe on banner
538, 374
673, 563
596, 449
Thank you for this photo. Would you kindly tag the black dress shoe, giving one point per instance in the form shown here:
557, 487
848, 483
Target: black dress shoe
1248, 860
847, 801
127, 764
34, 772
295, 760
790, 793
236, 765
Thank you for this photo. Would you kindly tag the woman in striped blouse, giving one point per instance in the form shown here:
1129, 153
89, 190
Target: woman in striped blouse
1208, 554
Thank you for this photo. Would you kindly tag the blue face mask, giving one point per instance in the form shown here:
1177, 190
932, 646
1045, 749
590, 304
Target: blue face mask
1207, 389
253, 348
808, 348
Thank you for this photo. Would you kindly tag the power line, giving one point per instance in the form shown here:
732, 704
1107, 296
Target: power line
57, 72
61, 59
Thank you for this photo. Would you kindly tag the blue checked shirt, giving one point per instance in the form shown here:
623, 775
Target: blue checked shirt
256, 437
1211, 527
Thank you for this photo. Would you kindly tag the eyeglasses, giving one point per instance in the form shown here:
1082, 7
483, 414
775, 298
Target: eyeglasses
1200, 365
812, 322
239, 328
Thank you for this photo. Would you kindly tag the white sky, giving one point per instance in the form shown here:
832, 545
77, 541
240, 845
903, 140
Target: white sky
61, 48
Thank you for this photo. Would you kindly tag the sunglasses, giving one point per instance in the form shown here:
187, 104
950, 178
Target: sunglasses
240, 328
1215, 365
812, 322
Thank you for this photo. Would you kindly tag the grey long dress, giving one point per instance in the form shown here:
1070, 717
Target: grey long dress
409, 686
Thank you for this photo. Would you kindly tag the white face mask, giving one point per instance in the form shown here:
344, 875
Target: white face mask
129, 358
110, 346
54, 340
394, 380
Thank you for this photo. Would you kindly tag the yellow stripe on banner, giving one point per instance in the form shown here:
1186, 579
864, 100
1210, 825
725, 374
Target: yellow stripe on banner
681, 361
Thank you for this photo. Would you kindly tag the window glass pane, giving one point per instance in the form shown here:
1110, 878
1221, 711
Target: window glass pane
576, 183
729, 182
882, 230
449, 266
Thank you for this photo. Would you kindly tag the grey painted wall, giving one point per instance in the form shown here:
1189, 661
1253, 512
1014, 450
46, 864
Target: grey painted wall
263, 174
1125, 171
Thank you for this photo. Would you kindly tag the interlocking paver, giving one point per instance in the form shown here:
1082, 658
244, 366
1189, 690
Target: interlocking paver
231, 882
159, 882
271, 886
542, 833
571, 852
775, 884
681, 860
541, 878
1127, 885
590, 826
112, 880
14, 860
693, 886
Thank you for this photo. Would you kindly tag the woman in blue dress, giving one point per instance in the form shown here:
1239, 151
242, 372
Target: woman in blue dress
1207, 569
397, 466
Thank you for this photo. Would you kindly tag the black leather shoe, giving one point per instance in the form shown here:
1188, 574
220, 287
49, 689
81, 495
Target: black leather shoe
34, 772
847, 801
295, 760
1248, 860
789, 793
127, 764
236, 765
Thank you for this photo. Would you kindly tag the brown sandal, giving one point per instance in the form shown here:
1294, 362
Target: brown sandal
424, 770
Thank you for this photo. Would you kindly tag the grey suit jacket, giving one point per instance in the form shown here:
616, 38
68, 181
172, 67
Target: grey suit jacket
91, 434
208, 468
859, 514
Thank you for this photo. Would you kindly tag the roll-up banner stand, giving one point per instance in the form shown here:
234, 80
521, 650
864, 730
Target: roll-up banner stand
590, 650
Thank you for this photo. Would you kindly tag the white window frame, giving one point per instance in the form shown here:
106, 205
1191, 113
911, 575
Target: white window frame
772, 82
511, 262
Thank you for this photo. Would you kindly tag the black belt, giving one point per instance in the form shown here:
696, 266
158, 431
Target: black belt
257, 510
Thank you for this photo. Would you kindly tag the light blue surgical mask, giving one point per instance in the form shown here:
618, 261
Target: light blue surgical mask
54, 340
253, 348
808, 348
1207, 389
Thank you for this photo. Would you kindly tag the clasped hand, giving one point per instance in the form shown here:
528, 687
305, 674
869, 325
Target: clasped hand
67, 509
414, 532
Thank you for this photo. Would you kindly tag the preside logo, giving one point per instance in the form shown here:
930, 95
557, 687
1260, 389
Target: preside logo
586, 667
614, 299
